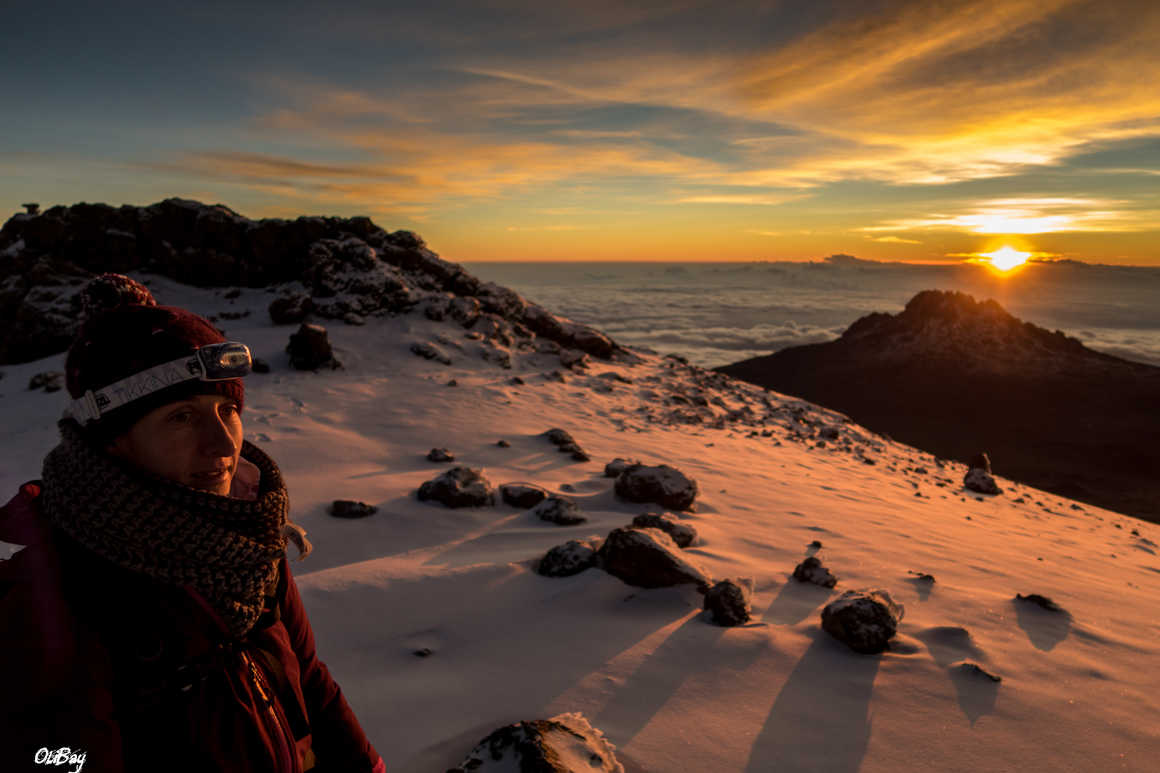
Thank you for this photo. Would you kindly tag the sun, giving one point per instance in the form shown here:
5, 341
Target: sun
1006, 258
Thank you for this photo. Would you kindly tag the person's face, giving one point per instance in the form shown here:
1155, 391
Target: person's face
195, 442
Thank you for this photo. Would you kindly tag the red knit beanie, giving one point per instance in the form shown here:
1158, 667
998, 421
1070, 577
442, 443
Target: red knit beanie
122, 337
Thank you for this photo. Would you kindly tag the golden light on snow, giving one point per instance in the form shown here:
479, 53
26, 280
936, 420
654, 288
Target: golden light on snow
1006, 258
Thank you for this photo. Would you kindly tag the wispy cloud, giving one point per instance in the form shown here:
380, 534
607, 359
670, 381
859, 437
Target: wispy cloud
1033, 216
893, 240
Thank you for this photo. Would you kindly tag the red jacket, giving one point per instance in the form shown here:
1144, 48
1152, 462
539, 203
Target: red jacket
138, 675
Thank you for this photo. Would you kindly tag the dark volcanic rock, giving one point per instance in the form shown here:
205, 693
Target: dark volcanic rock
559, 437
682, 534
864, 620
440, 455
951, 375
729, 602
811, 570
522, 495
309, 348
648, 558
617, 466
459, 487
568, 559
347, 508
981, 481
662, 485
563, 744
558, 510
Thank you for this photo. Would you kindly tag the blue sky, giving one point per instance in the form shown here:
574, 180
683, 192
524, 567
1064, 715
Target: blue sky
922, 131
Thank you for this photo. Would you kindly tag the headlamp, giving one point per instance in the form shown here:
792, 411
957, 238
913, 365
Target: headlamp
212, 362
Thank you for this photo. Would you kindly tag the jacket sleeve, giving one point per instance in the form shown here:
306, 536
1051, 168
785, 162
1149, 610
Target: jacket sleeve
338, 739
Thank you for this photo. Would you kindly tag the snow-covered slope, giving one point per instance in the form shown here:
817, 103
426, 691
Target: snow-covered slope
671, 690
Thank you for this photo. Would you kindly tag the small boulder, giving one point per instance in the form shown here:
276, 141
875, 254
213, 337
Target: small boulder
662, 485
617, 466
309, 348
459, 487
348, 508
648, 558
568, 559
440, 455
49, 381
811, 570
563, 744
522, 495
864, 620
578, 453
558, 510
682, 534
430, 351
978, 479
503, 444
559, 437
729, 602
1043, 602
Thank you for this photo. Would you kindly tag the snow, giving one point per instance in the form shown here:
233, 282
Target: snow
668, 688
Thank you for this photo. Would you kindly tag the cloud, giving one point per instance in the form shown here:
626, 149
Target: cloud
893, 240
1034, 215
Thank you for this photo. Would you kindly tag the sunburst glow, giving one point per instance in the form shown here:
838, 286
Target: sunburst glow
1006, 258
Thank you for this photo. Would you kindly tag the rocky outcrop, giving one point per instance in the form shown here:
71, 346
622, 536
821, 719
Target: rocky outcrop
459, 487
325, 267
563, 744
662, 485
951, 375
648, 558
728, 602
682, 534
865, 621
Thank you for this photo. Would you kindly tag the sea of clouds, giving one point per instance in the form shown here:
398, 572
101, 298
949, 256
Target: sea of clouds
718, 313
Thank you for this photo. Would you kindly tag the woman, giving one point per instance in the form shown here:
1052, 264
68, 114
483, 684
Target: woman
152, 623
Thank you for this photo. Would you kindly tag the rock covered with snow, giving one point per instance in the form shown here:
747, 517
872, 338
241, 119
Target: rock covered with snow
522, 494
979, 480
558, 510
863, 620
566, 743
648, 558
682, 534
811, 570
728, 602
572, 557
459, 487
661, 484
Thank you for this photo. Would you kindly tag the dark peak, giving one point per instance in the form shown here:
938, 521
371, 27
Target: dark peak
955, 306
952, 323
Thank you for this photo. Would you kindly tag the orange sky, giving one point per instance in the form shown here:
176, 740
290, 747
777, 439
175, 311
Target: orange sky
888, 129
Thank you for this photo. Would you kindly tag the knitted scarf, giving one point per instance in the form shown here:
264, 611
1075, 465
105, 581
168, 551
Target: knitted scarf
227, 549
